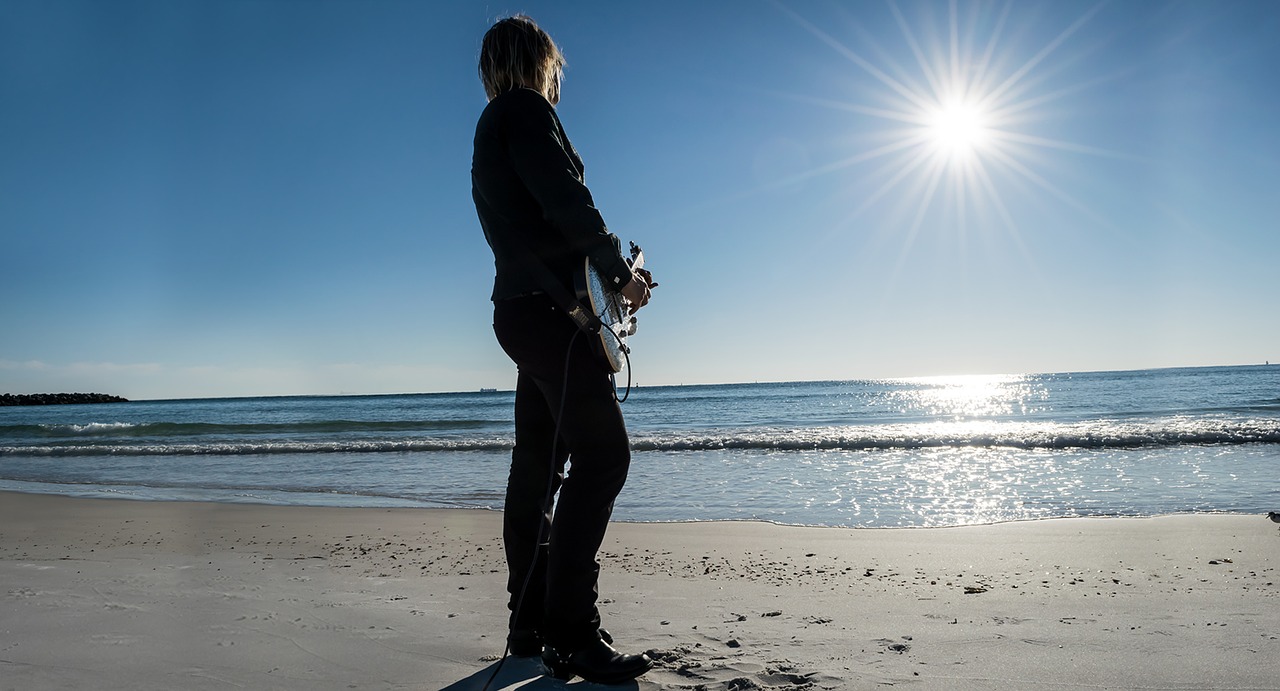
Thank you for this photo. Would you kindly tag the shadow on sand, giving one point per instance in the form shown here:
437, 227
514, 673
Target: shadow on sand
525, 674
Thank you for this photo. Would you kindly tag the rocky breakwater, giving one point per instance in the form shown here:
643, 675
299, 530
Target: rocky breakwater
58, 398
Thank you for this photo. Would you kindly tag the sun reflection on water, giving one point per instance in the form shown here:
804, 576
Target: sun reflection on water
948, 486
970, 397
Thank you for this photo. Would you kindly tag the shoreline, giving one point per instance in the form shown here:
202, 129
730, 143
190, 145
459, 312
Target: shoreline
105, 593
692, 522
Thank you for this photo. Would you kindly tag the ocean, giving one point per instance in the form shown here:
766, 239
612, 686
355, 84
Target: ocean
935, 451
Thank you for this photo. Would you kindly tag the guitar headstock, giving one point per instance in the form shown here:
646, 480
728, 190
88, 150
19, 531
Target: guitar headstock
637, 256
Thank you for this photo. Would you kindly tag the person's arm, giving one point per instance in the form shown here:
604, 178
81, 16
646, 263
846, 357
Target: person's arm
542, 161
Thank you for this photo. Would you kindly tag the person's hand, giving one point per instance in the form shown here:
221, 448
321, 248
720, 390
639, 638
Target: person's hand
648, 277
636, 291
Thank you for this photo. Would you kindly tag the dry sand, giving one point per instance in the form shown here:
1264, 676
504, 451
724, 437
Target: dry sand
143, 595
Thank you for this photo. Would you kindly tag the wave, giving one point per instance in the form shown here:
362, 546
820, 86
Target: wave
190, 429
1099, 435
890, 441
260, 448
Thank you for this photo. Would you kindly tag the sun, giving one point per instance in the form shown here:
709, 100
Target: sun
953, 129
958, 129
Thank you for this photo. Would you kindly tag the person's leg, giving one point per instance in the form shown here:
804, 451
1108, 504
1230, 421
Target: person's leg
592, 425
531, 338
541, 339
526, 519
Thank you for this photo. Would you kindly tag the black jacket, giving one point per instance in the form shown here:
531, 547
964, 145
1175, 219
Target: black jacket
527, 180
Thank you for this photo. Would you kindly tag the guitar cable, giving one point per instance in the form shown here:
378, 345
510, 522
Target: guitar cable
626, 353
546, 501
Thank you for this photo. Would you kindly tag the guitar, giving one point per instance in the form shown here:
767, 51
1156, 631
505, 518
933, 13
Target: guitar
610, 308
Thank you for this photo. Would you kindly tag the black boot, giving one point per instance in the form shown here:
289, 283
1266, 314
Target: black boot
524, 642
528, 642
597, 662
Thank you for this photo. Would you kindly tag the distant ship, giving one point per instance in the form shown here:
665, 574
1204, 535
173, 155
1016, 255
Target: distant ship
484, 390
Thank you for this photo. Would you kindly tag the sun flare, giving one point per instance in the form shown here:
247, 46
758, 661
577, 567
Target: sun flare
954, 129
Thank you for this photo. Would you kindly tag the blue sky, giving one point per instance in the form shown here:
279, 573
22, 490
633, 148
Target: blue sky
248, 197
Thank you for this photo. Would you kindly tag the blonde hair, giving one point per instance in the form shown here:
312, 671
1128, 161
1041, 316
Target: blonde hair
517, 53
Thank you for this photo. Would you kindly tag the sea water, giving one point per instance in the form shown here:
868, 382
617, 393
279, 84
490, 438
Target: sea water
874, 453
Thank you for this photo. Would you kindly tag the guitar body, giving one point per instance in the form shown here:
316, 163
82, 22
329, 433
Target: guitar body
611, 309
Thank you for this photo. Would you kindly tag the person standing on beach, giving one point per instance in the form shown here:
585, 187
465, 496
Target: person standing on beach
527, 183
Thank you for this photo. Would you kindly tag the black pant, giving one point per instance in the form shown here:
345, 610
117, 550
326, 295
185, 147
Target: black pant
560, 601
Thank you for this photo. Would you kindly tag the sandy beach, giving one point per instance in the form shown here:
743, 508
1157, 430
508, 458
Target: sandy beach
153, 595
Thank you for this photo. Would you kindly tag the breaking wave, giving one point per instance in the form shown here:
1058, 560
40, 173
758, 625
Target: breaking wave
428, 437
